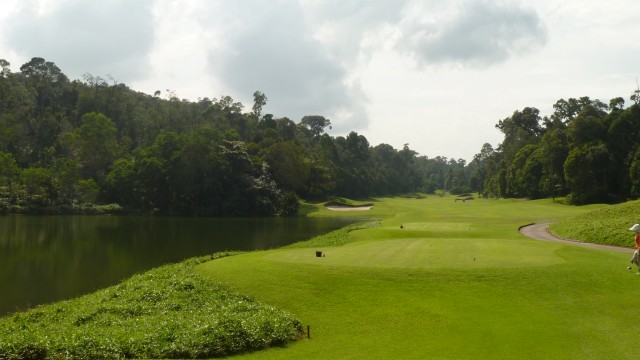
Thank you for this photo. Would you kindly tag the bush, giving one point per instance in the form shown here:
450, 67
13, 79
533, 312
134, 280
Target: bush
168, 312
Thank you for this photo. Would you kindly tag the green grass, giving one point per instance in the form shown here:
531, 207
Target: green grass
457, 281
418, 278
168, 312
609, 225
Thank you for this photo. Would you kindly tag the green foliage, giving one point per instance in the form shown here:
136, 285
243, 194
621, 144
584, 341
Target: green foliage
168, 312
96, 141
287, 164
586, 174
160, 154
581, 150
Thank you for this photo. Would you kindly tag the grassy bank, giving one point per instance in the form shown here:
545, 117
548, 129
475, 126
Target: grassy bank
440, 279
168, 312
609, 225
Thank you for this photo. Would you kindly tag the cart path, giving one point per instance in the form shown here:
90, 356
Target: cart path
541, 232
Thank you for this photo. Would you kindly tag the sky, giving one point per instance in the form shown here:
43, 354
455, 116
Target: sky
436, 75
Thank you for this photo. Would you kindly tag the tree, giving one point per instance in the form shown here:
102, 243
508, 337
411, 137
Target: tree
553, 151
9, 172
586, 170
634, 172
151, 185
48, 81
588, 127
616, 104
517, 184
120, 183
259, 100
95, 145
566, 110
67, 175
531, 174
88, 191
315, 125
487, 163
193, 173
621, 139
288, 165
4, 66
286, 129
635, 97
521, 129
356, 148
38, 186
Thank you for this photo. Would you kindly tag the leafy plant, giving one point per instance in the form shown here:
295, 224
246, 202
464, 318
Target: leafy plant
168, 312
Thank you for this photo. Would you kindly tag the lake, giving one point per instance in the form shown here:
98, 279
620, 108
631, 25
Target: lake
49, 258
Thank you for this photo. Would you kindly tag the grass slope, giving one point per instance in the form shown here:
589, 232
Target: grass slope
456, 281
609, 225
168, 312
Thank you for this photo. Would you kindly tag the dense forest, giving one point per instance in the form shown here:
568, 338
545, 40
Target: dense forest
65, 144
586, 149
68, 145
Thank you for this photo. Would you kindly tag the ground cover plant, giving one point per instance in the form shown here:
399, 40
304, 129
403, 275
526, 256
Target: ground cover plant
168, 312
609, 225
440, 279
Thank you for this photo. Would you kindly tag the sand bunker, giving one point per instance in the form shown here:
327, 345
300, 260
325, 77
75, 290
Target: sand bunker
349, 208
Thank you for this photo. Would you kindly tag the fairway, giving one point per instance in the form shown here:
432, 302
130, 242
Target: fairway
445, 280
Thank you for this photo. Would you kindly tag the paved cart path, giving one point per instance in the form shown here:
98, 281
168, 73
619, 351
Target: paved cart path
541, 232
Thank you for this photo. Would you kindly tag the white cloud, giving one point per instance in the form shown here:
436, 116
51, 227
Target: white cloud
273, 50
470, 32
99, 37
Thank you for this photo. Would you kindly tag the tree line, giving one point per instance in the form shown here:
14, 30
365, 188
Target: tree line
65, 144
586, 150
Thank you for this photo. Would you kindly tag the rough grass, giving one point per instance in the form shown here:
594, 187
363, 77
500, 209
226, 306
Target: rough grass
168, 312
609, 225
456, 281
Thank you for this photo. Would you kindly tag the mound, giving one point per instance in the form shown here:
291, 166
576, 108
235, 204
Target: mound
608, 225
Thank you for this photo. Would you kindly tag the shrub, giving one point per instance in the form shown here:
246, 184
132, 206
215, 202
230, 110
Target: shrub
168, 312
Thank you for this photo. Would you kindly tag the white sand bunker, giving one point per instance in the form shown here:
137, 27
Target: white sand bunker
349, 208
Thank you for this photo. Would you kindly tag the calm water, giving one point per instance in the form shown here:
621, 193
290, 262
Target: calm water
49, 258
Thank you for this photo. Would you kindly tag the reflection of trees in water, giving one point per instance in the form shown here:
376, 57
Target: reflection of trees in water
47, 258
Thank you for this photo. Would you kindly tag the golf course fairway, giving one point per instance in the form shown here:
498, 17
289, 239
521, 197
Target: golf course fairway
444, 279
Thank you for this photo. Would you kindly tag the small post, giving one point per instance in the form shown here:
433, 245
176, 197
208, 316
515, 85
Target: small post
308, 332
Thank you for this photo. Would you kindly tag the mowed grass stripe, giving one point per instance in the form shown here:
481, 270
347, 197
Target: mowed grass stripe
386, 296
427, 253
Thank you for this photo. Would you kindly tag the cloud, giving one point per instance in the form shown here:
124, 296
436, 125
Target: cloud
273, 50
345, 26
99, 37
307, 55
476, 33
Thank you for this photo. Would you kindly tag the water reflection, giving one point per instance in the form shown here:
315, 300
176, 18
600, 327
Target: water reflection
48, 258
